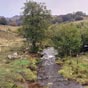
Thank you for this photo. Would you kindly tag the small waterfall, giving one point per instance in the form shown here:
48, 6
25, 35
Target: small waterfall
49, 56
48, 72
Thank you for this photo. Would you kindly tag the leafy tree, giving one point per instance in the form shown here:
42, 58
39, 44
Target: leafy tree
80, 13
36, 20
68, 17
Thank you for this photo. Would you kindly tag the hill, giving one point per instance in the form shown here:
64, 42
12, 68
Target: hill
9, 28
14, 21
70, 17
22, 70
8, 35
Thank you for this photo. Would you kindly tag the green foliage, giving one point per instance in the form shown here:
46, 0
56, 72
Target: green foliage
66, 38
84, 33
83, 28
69, 38
36, 21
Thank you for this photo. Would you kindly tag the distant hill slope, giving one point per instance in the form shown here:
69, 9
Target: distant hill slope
9, 28
18, 19
70, 17
15, 20
8, 35
8, 32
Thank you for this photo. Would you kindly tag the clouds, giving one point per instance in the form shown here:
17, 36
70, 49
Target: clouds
13, 7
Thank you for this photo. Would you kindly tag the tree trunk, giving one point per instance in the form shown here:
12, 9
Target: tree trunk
34, 48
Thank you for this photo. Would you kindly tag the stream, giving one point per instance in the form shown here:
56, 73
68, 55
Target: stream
48, 75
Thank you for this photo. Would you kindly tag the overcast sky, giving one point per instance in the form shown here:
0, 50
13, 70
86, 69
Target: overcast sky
9, 8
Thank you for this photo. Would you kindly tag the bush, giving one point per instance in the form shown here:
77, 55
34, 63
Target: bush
66, 38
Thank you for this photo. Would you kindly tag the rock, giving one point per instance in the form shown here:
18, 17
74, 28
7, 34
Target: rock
13, 56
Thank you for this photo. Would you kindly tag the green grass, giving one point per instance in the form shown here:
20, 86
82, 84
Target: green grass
16, 71
74, 70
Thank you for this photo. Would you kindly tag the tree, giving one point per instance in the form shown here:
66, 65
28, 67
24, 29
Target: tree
36, 20
3, 21
68, 17
79, 16
80, 13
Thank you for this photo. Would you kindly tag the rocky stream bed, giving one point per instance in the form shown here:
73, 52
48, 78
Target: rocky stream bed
48, 75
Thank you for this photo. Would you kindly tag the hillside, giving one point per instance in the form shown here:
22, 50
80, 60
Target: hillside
7, 33
11, 68
22, 71
7, 28
56, 19
9, 37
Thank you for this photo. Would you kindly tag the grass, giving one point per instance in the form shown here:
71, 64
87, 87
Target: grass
14, 73
75, 68
7, 28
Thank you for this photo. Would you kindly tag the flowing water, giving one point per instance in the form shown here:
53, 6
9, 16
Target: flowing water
48, 72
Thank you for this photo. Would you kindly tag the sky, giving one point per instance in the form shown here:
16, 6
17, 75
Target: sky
9, 8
